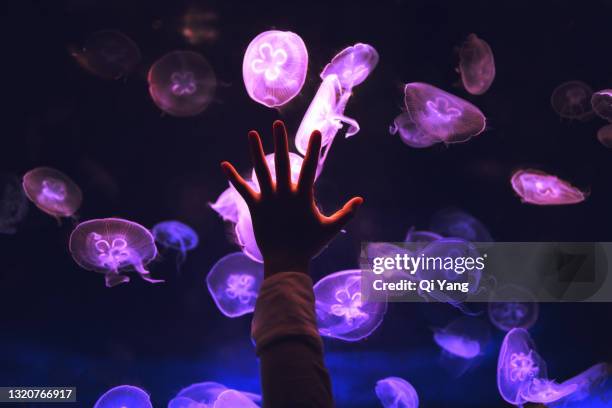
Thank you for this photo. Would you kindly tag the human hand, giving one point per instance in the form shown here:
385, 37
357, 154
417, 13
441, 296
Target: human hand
289, 228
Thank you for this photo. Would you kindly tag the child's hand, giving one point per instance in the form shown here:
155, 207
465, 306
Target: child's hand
289, 228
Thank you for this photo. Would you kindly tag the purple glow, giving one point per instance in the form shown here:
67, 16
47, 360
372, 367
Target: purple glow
452, 222
52, 191
544, 391
295, 163
124, 396
395, 392
440, 115
425, 237
352, 65
228, 205
476, 65
465, 337
513, 314
572, 100
111, 245
409, 133
234, 283
539, 188
341, 312
212, 395
586, 382
274, 67
182, 83
176, 235
13, 203
234, 399
604, 135
601, 102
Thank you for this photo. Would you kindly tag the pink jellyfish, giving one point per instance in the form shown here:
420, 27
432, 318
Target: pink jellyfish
539, 188
342, 313
409, 133
352, 65
572, 100
476, 65
604, 135
211, 394
182, 83
274, 67
52, 191
516, 308
124, 396
395, 392
601, 102
111, 245
227, 205
234, 283
441, 115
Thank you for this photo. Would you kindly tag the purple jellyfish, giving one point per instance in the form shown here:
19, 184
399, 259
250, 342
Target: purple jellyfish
476, 65
465, 337
409, 133
274, 67
572, 100
295, 163
452, 222
124, 396
601, 102
234, 282
13, 203
111, 245
227, 205
234, 399
52, 191
352, 65
210, 395
176, 235
604, 135
425, 237
442, 116
586, 382
182, 83
395, 392
341, 311
520, 310
539, 188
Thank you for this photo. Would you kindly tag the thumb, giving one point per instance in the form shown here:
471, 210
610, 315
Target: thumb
338, 220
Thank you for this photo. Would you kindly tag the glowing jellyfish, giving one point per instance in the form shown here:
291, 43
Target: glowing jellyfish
176, 235
539, 188
452, 222
274, 67
395, 392
604, 135
234, 283
341, 311
124, 396
441, 115
13, 203
520, 310
112, 245
476, 65
586, 383
182, 83
465, 337
295, 165
234, 399
409, 133
601, 102
212, 394
108, 54
352, 65
228, 205
572, 100
52, 191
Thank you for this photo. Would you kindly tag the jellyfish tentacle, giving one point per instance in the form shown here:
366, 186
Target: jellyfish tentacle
114, 278
145, 274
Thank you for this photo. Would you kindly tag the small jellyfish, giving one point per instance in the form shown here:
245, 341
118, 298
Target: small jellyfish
441, 115
182, 83
601, 102
234, 283
465, 337
409, 133
518, 310
52, 191
274, 67
352, 65
111, 245
452, 222
395, 392
108, 54
13, 203
176, 235
604, 135
539, 188
476, 65
124, 396
341, 311
572, 100
212, 394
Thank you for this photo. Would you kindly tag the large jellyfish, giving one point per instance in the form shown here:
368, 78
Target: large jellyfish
234, 282
352, 65
441, 115
124, 396
604, 135
452, 222
52, 191
409, 133
601, 102
465, 337
274, 67
176, 235
517, 310
111, 245
213, 395
476, 65
182, 83
572, 100
341, 311
539, 188
395, 392
13, 203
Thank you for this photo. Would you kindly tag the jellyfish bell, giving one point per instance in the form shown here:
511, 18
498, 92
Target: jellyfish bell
52, 191
476, 65
452, 222
409, 133
601, 102
177, 236
211, 394
112, 245
604, 135
352, 65
124, 396
395, 392
233, 399
182, 83
518, 309
539, 188
13, 203
572, 100
274, 67
465, 337
228, 205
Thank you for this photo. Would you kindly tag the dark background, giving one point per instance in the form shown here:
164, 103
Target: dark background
59, 325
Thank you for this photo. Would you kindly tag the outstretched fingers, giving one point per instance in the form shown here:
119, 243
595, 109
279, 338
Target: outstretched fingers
260, 166
281, 157
338, 220
238, 182
310, 164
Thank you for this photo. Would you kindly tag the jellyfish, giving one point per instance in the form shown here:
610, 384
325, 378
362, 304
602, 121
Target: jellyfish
601, 102
518, 310
409, 133
465, 337
341, 311
572, 100
112, 245
108, 54
211, 394
13, 203
586, 383
124, 396
274, 67
176, 235
395, 392
476, 65
604, 135
234, 399
352, 65
234, 282
441, 115
228, 205
539, 188
182, 83
452, 222
415, 236
52, 191
295, 164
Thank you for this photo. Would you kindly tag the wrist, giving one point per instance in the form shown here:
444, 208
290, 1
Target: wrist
274, 266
